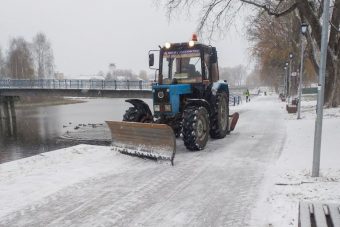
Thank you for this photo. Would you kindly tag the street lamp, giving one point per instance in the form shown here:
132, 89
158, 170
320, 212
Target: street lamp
290, 75
290, 55
304, 28
287, 83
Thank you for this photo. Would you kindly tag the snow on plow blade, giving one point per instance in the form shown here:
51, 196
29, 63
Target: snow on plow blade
156, 141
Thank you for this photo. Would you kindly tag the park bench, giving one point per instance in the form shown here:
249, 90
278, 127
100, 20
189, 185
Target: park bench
319, 214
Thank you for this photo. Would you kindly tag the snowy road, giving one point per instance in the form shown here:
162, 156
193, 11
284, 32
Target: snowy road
215, 187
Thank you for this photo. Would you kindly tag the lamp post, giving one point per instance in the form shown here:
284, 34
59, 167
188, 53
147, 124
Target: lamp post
285, 81
290, 75
304, 28
321, 86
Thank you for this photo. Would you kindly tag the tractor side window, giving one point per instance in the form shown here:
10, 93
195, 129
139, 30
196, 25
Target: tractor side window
166, 70
206, 66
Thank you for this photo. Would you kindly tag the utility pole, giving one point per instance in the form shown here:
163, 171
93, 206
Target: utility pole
321, 87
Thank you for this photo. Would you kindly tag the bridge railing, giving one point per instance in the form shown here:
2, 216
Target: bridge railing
76, 84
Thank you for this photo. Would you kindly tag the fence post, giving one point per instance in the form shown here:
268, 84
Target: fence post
128, 86
140, 85
234, 101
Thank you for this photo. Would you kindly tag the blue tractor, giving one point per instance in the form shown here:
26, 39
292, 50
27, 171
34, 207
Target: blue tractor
188, 97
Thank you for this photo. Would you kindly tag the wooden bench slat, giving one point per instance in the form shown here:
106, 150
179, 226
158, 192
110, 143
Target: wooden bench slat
319, 215
304, 217
334, 211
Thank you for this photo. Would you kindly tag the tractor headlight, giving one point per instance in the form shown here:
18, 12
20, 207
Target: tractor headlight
167, 108
160, 94
191, 43
167, 45
156, 108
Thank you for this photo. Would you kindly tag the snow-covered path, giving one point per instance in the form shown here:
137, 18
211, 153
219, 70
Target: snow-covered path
214, 187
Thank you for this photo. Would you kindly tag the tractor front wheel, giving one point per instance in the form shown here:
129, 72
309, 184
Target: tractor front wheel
220, 117
195, 128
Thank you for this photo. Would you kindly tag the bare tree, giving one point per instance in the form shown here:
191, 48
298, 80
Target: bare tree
234, 75
271, 41
143, 75
216, 15
2, 65
43, 56
20, 62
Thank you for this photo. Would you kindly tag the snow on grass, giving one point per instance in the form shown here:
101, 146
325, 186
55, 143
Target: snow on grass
289, 180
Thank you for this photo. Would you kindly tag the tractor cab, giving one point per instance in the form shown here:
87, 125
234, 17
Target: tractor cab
185, 71
186, 63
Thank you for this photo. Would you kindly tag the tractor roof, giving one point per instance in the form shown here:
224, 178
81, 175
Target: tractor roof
185, 45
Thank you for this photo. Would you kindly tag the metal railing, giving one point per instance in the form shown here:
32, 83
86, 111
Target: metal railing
76, 84
89, 85
234, 99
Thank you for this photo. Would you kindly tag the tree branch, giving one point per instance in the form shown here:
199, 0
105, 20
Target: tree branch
269, 11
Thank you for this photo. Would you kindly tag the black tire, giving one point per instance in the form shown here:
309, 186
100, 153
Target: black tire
195, 128
219, 120
135, 115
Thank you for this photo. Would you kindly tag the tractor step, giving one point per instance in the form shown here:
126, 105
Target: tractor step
146, 140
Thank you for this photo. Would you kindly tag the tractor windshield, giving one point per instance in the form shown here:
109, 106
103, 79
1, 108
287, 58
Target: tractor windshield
182, 67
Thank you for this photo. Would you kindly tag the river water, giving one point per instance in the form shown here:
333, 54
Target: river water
39, 128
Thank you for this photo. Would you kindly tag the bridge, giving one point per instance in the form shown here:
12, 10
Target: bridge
76, 88
11, 90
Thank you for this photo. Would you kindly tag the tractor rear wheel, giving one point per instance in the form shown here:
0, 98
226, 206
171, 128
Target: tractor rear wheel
135, 115
195, 128
220, 117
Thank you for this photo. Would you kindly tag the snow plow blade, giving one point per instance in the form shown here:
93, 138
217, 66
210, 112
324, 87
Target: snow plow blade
146, 140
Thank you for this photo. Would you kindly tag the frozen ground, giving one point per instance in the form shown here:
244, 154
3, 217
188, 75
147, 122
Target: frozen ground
237, 181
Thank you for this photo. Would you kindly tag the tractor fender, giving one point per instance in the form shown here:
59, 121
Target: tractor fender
140, 105
219, 86
198, 102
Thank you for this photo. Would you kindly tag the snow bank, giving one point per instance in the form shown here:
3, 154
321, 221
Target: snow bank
289, 180
25, 181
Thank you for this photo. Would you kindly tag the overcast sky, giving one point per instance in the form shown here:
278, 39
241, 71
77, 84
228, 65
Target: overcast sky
87, 35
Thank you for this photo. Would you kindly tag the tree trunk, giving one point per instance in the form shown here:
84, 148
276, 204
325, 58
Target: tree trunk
334, 99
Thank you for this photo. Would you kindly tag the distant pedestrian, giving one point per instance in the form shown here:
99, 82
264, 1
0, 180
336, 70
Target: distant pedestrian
247, 95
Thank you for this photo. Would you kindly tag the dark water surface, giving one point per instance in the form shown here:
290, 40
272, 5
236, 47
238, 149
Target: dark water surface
39, 128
